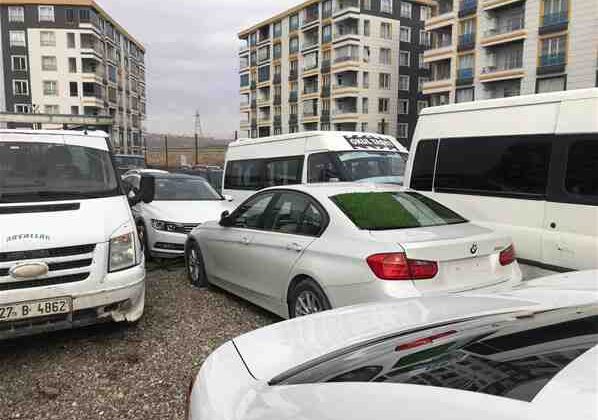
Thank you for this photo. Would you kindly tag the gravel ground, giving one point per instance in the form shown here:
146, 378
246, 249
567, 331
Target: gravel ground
124, 372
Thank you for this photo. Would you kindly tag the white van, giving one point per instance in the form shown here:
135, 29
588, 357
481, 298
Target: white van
526, 165
69, 251
314, 156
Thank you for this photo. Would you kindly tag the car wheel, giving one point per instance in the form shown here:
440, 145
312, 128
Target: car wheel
142, 232
196, 271
307, 298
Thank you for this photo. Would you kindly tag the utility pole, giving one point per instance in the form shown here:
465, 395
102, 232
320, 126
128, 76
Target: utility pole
198, 133
166, 147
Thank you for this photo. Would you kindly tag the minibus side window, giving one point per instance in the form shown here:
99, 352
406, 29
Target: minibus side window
582, 169
422, 176
510, 166
322, 168
286, 171
244, 175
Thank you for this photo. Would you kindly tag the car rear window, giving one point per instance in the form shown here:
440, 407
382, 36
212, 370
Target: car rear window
394, 210
514, 359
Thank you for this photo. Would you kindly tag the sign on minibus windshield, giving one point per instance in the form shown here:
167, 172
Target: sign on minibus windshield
370, 142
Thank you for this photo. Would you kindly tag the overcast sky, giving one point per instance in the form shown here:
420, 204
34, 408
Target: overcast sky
192, 57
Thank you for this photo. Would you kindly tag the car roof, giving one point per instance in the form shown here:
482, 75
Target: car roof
328, 189
316, 336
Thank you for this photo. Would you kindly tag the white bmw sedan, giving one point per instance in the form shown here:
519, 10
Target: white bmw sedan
527, 354
301, 249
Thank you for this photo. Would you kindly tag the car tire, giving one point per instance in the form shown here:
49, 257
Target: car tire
142, 232
306, 298
195, 266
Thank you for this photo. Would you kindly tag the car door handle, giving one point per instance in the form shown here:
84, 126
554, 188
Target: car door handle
244, 240
295, 247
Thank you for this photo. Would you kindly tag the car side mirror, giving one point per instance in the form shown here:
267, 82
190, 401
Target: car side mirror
133, 197
147, 189
229, 198
225, 220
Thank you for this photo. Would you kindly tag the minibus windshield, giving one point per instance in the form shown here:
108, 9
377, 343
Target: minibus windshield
372, 166
31, 172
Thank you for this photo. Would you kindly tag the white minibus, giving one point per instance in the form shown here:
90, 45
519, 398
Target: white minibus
526, 165
69, 251
315, 156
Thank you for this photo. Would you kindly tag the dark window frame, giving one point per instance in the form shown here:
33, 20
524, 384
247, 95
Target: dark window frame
262, 163
435, 143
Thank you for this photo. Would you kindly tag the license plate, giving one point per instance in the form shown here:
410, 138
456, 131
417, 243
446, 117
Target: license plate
35, 309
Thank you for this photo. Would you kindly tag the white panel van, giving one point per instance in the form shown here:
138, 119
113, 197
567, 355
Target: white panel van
315, 156
526, 165
69, 251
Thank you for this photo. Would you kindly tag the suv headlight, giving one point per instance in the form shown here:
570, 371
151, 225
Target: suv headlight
122, 252
166, 226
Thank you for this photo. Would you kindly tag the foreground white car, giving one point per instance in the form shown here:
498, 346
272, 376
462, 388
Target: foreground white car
168, 206
530, 353
302, 249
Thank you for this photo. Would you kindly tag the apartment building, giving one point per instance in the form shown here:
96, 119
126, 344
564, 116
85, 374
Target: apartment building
344, 65
69, 57
484, 49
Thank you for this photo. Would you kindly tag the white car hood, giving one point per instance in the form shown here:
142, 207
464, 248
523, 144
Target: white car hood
188, 211
94, 222
273, 350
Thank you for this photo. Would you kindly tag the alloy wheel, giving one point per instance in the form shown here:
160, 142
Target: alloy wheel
308, 303
194, 265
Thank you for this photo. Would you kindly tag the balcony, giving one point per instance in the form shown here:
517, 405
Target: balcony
310, 16
442, 47
508, 30
347, 58
464, 77
346, 6
293, 75
467, 8
443, 15
508, 66
310, 112
496, 4
263, 100
310, 89
348, 28
309, 43
466, 42
552, 63
554, 22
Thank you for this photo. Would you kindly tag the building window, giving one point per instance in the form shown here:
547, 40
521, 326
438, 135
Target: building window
16, 14
70, 15
406, 9
47, 39
384, 80
70, 40
294, 22
327, 34
385, 56
425, 38
405, 34
421, 105
403, 131
367, 5
383, 105
385, 30
366, 28
386, 6
365, 106
364, 127
46, 13
421, 82
263, 54
553, 51
293, 45
49, 63
464, 95
17, 38
403, 82
310, 61
23, 108
425, 13
51, 109
19, 63
72, 65
277, 30
551, 84
244, 80
404, 58
50, 87
366, 79
382, 127
403, 106
20, 87
422, 63
366, 54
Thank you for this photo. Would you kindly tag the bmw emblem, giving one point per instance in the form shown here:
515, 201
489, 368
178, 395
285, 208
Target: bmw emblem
474, 248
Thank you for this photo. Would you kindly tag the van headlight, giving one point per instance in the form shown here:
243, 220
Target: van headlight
122, 252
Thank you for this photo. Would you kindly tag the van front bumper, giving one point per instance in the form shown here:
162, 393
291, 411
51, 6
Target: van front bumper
122, 298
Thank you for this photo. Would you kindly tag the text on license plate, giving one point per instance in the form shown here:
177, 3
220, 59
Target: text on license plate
34, 309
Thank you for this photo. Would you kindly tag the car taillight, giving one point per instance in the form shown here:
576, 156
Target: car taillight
396, 266
507, 256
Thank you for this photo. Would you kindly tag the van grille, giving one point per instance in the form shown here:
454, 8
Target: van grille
46, 253
66, 265
52, 281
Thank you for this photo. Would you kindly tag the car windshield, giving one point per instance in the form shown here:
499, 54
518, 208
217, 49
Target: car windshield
513, 358
394, 210
370, 166
130, 161
184, 189
52, 172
